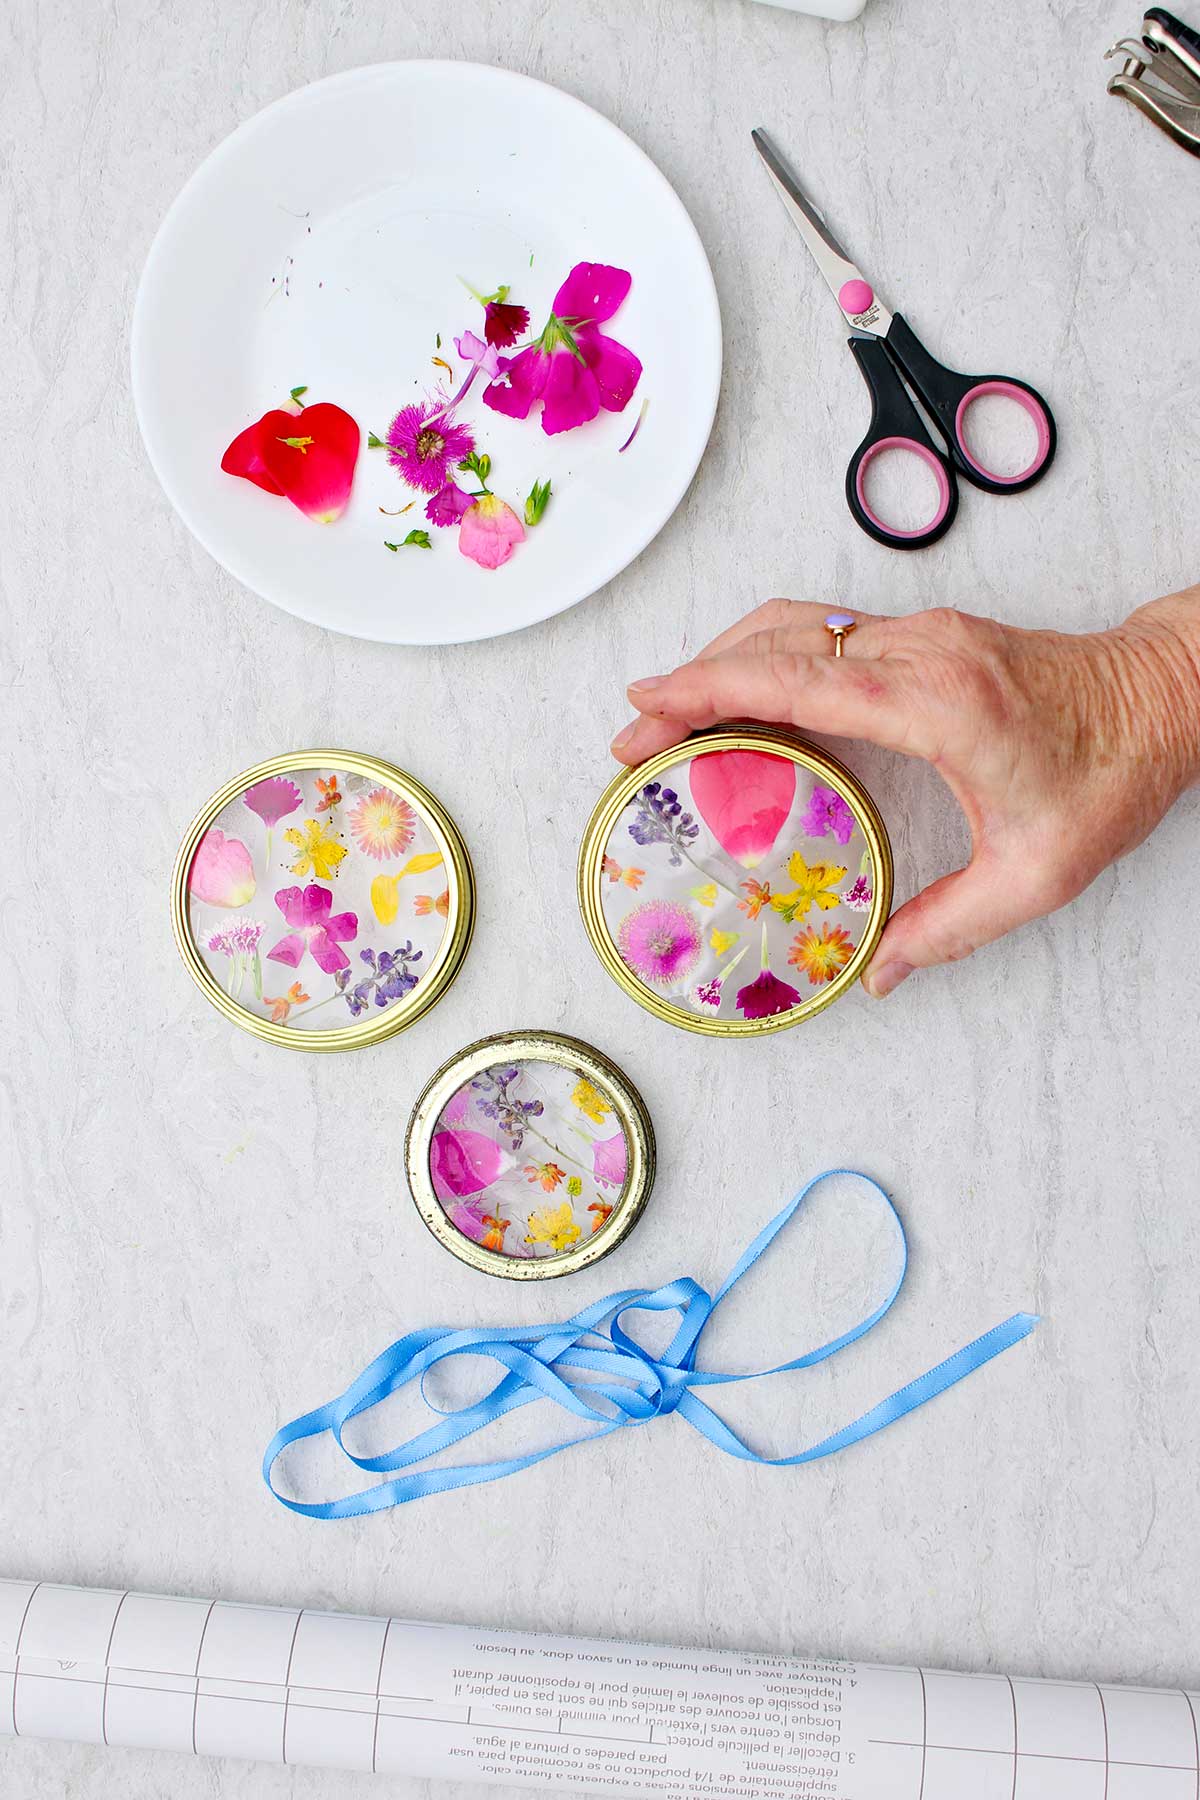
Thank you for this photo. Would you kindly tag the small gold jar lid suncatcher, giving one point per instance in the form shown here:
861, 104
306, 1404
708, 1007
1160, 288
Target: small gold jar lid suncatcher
530, 1154
323, 900
736, 883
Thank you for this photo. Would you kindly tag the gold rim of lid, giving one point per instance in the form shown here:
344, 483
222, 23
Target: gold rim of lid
625, 786
447, 959
629, 1110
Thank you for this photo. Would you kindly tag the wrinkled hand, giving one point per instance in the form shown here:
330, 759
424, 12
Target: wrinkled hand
1064, 752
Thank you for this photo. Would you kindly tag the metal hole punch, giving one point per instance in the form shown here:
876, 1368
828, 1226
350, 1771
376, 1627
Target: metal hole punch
1161, 75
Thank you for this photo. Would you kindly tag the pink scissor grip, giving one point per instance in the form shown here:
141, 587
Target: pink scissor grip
1037, 412
927, 456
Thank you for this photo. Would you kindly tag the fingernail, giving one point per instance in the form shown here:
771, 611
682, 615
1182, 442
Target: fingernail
622, 738
881, 982
644, 687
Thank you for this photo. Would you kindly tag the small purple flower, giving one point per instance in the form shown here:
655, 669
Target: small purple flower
709, 994
509, 1113
660, 819
448, 505
859, 896
828, 812
390, 978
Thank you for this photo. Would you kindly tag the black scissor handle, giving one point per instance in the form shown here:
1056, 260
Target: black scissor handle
895, 425
946, 396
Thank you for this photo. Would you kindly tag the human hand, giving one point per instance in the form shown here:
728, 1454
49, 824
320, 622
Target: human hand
1063, 751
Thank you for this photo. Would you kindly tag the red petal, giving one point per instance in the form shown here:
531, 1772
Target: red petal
503, 325
318, 477
744, 797
244, 458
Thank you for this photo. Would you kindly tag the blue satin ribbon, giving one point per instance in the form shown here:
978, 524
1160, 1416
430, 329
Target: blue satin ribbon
541, 1361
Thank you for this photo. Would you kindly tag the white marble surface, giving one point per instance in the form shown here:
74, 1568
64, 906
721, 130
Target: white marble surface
200, 1236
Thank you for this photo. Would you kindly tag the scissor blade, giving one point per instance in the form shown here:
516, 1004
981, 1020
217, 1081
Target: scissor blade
853, 294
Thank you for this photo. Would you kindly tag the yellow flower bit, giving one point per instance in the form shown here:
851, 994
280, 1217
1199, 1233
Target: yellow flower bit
590, 1101
318, 850
706, 895
553, 1225
722, 941
813, 888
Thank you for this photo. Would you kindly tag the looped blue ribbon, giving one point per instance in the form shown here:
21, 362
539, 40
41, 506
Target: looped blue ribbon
541, 1361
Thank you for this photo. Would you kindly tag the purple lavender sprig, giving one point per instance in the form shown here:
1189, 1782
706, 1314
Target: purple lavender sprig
511, 1114
390, 978
660, 819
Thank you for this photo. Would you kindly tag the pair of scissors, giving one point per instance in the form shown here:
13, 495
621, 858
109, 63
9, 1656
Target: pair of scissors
893, 360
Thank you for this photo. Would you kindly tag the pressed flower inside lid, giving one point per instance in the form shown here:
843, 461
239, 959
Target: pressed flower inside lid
735, 881
529, 1159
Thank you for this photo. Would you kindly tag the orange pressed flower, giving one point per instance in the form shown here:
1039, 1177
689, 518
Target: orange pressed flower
545, 1175
424, 904
602, 1213
821, 957
281, 1007
630, 878
759, 893
494, 1230
330, 794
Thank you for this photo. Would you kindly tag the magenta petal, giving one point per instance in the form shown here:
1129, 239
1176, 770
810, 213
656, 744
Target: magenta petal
448, 505
610, 1159
522, 381
572, 396
342, 928
289, 950
468, 1221
744, 797
766, 996
462, 1163
617, 370
273, 799
591, 291
222, 871
327, 955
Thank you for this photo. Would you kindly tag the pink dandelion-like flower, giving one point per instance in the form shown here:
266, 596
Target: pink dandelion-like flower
425, 442
383, 824
660, 941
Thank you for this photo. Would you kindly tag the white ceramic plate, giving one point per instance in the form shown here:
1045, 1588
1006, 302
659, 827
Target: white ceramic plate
322, 244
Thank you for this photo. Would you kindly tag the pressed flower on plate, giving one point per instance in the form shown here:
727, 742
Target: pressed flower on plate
314, 930
828, 813
744, 797
766, 995
573, 369
281, 1005
490, 531
424, 443
815, 885
308, 456
553, 1225
545, 1175
273, 799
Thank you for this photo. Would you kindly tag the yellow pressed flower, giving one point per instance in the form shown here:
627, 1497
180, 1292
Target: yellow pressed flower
319, 852
706, 895
385, 898
590, 1101
553, 1225
813, 888
722, 941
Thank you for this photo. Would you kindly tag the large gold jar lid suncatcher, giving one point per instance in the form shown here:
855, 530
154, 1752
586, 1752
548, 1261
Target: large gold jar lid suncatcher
323, 900
736, 883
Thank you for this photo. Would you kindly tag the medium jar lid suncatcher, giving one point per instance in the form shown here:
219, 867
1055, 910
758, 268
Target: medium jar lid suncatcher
736, 883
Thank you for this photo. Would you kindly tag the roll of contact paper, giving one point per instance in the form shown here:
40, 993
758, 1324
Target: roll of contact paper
573, 1715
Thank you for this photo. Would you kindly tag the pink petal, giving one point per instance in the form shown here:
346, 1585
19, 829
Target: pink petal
326, 954
222, 871
744, 797
616, 369
244, 458
571, 397
469, 1222
315, 903
342, 928
289, 950
522, 381
462, 1163
472, 349
490, 532
591, 291
610, 1160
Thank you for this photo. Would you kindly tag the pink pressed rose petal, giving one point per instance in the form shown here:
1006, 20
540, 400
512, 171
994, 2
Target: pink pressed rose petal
462, 1163
617, 370
744, 797
571, 397
592, 291
222, 871
490, 532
